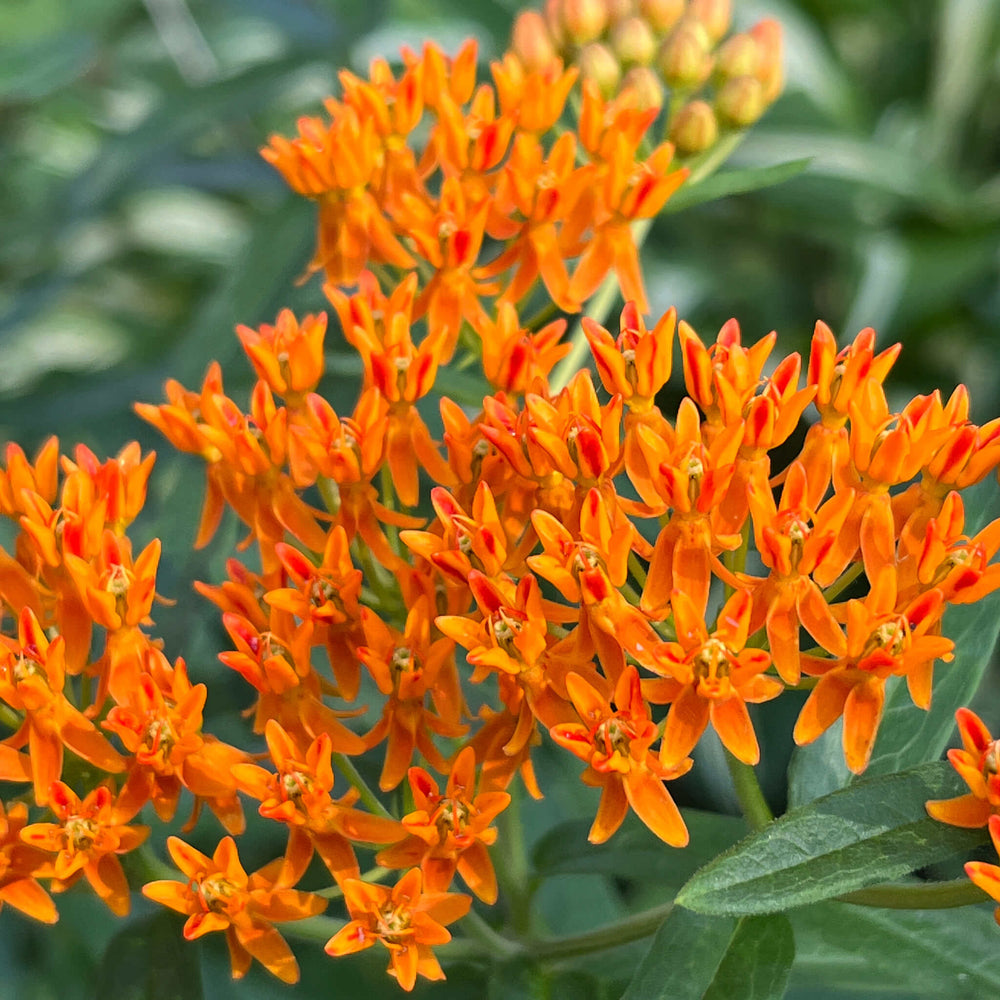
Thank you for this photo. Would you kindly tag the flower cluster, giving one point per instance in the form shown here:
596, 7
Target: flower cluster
567, 563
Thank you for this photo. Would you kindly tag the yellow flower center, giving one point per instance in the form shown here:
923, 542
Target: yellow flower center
80, 833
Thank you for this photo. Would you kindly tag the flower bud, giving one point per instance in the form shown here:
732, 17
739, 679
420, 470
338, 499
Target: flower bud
553, 21
715, 15
661, 15
584, 20
598, 64
646, 85
694, 128
618, 10
531, 43
767, 35
738, 56
740, 101
633, 42
684, 59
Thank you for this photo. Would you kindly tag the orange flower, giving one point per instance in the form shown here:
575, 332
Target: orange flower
709, 679
406, 667
452, 831
87, 839
218, 895
32, 677
793, 542
518, 360
287, 356
299, 795
21, 865
406, 919
615, 744
881, 642
159, 723
978, 763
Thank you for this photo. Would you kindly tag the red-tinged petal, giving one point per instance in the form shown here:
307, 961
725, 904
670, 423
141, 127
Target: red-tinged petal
587, 700
204, 922
652, 803
964, 810
192, 862
975, 736
986, 876
686, 721
862, 713
611, 811
732, 722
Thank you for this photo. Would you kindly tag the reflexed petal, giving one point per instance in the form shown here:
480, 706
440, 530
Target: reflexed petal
732, 722
352, 937
964, 810
686, 721
271, 950
862, 713
611, 811
653, 804
823, 707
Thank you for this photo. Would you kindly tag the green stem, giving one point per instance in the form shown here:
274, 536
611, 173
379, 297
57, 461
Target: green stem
493, 943
512, 872
346, 767
755, 808
843, 582
637, 571
632, 928
317, 929
707, 163
930, 896
375, 874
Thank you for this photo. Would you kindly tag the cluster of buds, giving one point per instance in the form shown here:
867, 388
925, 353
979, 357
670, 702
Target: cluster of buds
673, 54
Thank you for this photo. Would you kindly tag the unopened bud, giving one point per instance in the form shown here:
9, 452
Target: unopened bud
598, 64
767, 35
553, 21
715, 15
738, 56
685, 60
646, 85
740, 101
661, 15
531, 43
694, 128
618, 10
633, 42
584, 20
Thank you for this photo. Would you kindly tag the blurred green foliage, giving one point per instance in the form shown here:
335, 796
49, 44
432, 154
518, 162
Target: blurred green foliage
139, 225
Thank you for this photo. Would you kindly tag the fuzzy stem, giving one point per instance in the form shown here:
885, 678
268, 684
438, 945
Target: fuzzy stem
346, 767
755, 808
929, 896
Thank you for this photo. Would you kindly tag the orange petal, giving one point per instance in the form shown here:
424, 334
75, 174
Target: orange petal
964, 810
862, 713
732, 722
652, 803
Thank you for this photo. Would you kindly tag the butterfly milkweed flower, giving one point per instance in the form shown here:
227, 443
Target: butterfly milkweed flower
978, 763
218, 895
407, 920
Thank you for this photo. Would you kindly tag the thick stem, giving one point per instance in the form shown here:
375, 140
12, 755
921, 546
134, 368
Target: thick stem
346, 767
755, 808
512, 871
930, 896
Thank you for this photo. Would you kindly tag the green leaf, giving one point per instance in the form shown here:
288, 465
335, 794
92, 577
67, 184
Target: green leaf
33, 70
757, 962
873, 831
730, 182
907, 735
150, 960
635, 852
695, 957
909, 953
819, 768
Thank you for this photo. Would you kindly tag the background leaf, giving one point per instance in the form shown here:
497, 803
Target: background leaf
872, 831
150, 960
695, 957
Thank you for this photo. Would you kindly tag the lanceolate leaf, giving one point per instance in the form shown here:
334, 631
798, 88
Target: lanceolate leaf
728, 182
694, 957
873, 831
